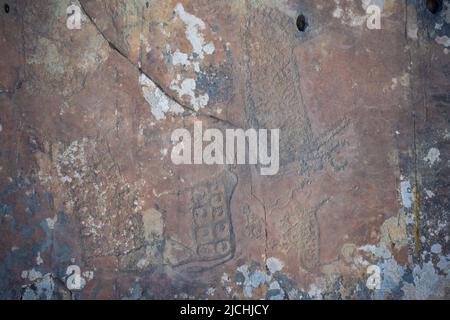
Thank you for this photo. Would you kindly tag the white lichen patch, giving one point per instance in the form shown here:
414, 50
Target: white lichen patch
436, 248
180, 58
31, 275
281, 5
187, 88
338, 12
72, 163
315, 291
444, 264
446, 12
225, 278
159, 102
194, 27
145, 43
163, 153
254, 279
427, 284
88, 275
39, 259
443, 40
432, 157
42, 288
274, 264
403, 80
347, 14
210, 292
430, 194
51, 222
426, 281
407, 194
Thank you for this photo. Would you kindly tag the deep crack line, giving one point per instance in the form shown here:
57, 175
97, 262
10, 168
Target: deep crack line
142, 72
125, 56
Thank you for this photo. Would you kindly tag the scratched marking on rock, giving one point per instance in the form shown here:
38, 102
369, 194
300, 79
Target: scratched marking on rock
213, 236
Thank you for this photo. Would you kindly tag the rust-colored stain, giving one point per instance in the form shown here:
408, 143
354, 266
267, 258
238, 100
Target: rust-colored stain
417, 220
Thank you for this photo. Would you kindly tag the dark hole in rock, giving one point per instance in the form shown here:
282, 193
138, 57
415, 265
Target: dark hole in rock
6, 7
302, 24
434, 6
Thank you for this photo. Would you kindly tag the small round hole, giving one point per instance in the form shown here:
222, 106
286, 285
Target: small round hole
301, 23
434, 6
6, 7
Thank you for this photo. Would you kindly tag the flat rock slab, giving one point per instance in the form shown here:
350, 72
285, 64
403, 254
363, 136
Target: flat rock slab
93, 207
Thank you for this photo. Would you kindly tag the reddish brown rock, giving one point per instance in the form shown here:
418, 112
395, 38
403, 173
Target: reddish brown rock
87, 181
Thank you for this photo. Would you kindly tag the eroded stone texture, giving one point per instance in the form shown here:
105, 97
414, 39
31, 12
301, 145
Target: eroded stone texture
88, 186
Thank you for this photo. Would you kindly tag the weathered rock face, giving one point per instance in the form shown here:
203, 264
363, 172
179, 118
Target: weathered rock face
92, 206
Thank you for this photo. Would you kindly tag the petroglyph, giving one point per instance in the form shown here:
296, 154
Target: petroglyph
281, 104
213, 239
301, 234
254, 225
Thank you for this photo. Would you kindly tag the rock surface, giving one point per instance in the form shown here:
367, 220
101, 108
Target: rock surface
92, 207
